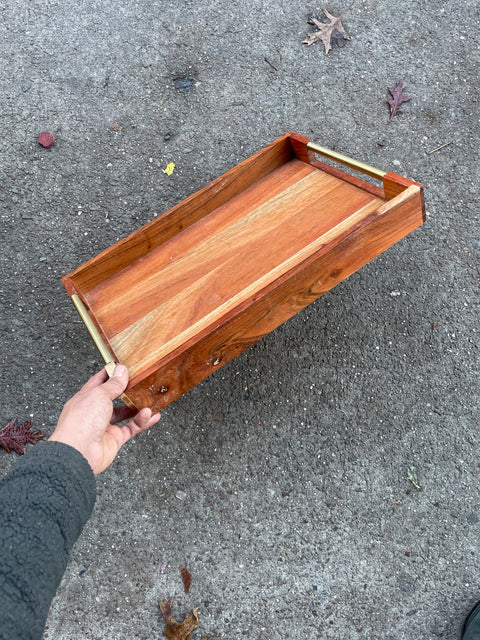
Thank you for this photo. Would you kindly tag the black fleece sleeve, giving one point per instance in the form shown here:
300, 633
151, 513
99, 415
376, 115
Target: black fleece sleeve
44, 504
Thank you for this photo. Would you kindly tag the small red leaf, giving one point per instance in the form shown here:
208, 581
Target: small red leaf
187, 579
397, 99
15, 438
46, 139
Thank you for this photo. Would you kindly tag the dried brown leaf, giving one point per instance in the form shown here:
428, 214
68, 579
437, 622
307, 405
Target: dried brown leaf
187, 578
397, 99
175, 630
328, 31
15, 437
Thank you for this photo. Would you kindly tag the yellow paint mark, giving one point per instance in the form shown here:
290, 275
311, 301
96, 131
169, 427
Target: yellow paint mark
169, 169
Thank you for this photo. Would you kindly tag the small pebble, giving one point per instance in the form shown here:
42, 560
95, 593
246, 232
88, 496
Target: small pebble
46, 139
181, 495
472, 518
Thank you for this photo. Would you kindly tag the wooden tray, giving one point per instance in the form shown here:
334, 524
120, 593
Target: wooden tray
190, 290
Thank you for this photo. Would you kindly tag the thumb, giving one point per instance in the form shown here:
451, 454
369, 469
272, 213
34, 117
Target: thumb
117, 384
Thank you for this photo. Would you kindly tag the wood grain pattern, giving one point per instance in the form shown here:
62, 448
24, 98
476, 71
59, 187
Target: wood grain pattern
240, 275
189, 291
198, 287
140, 287
344, 254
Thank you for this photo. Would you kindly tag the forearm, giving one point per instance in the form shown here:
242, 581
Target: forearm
44, 504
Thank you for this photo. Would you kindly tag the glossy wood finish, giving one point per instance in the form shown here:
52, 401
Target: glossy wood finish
189, 291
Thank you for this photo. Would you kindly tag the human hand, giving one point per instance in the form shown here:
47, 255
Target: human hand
88, 421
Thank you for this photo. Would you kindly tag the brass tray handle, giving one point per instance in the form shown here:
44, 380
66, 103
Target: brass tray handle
92, 329
99, 343
349, 162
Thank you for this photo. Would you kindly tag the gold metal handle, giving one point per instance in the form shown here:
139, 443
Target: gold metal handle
92, 329
349, 162
99, 343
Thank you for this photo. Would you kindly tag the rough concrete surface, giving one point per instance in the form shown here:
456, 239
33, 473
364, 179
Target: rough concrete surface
281, 481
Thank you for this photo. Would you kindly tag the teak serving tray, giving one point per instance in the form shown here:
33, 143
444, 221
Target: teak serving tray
190, 290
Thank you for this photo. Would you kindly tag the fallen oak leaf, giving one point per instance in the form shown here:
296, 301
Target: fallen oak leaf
15, 438
328, 31
175, 630
397, 99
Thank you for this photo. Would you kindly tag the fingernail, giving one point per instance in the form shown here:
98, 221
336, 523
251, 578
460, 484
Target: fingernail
120, 370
